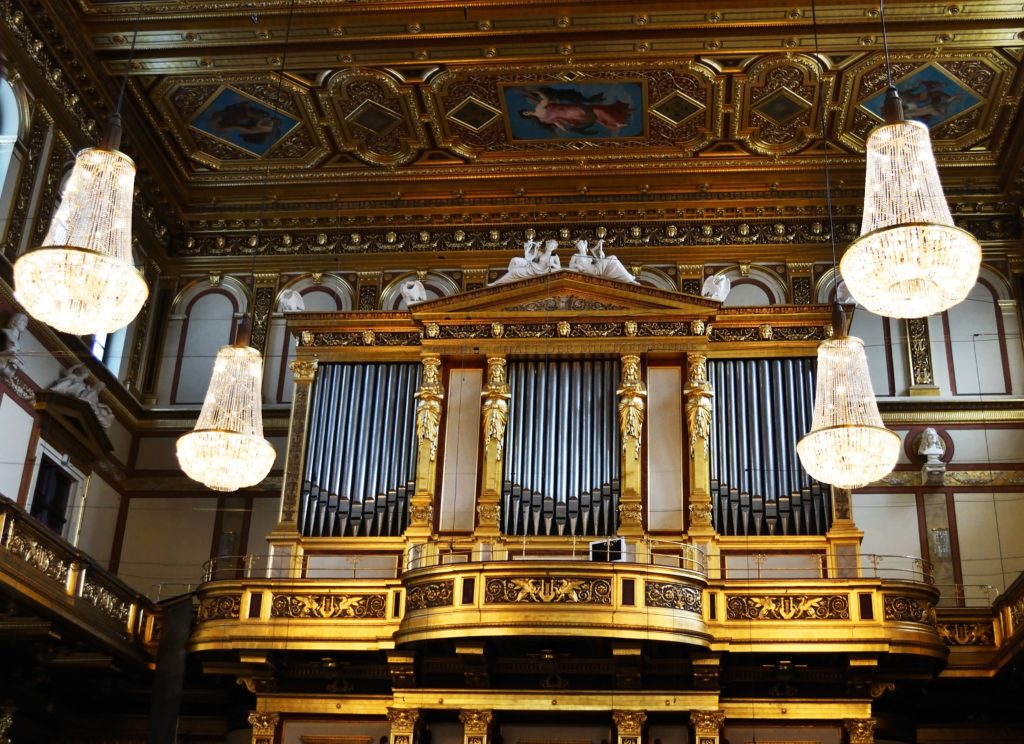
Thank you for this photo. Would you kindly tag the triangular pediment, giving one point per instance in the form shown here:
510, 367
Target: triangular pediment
565, 293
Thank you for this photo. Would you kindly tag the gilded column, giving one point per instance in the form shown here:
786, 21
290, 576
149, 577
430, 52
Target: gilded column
919, 344
494, 420
264, 725
698, 392
860, 730
263, 291
428, 426
707, 725
476, 724
403, 725
629, 725
632, 405
304, 372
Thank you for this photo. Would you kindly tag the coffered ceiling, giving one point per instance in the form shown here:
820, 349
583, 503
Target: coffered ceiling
465, 115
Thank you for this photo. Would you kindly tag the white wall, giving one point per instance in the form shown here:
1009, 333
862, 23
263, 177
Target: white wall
265, 513
462, 439
99, 520
16, 425
166, 540
990, 528
666, 445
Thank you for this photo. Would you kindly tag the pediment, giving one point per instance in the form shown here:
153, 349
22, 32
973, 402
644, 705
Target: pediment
75, 423
565, 293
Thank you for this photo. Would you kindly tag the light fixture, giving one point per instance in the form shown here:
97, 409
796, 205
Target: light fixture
82, 279
847, 446
910, 261
226, 450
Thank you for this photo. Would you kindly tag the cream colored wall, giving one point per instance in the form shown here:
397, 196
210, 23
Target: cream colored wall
889, 522
265, 513
16, 425
665, 448
990, 528
99, 519
166, 540
462, 440
354, 732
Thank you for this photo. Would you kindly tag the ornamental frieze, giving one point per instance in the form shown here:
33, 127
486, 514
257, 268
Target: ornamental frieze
425, 596
548, 590
1017, 615
967, 634
672, 596
907, 609
563, 302
328, 606
39, 556
105, 600
219, 608
789, 607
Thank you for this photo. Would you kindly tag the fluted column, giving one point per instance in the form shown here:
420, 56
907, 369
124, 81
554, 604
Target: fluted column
860, 730
403, 725
476, 726
304, 372
707, 725
494, 418
429, 399
699, 394
632, 407
264, 725
629, 725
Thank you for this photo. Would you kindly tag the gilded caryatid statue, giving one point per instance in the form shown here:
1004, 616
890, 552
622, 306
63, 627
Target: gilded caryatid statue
632, 403
698, 393
495, 407
428, 406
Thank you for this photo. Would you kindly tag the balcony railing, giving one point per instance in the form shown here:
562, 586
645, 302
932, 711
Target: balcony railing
43, 572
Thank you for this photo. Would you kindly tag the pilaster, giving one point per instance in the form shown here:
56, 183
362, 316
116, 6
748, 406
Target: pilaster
632, 408
860, 730
629, 725
919, 344
304, 372
403, 725
429, 399
494, 415
264, 726
476, 726
699, 394
263, 292
707, 725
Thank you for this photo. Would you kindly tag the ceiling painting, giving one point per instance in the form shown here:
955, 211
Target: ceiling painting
930, 95
575, 110
242, 121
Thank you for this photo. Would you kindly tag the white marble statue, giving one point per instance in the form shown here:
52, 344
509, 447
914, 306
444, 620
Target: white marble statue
593, 261
931, 447
10, 361
74, 382
413, 291
537, 260
291, 302
716, 287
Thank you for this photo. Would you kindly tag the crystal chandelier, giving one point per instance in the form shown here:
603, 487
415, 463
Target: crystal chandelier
82, 280
910, 261
226, 450
847, 446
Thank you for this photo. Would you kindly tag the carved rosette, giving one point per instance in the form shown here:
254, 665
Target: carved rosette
788, 607
303, 370
435, 594
860, 730
707, 722
632, 405
629, 723
548, 590
264, 725
428, 405
672, 596
476, 721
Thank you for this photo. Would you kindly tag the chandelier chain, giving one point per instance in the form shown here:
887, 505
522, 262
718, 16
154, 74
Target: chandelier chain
885, 44
128, 64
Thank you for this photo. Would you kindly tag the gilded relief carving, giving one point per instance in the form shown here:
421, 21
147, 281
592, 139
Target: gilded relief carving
632, 404
672, 596
920, 352
629, 722
967, 634
41, 557
328, 606
698, 392
495, 407
548, 590
425, 596
219, 608
907, 609
105, 600
428, 406
788, 607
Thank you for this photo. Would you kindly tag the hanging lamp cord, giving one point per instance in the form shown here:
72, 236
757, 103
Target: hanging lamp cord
112, 133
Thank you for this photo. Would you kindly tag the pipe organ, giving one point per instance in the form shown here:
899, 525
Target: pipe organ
562, 448
758, 487
361, 450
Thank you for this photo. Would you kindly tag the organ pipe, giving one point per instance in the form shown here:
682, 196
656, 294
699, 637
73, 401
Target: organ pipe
762, 407
360, 452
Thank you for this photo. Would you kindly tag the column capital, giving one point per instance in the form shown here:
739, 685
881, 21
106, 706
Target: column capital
707, 722
860, 730
476, 721
629, 722
304, 370
264, 725
403, 719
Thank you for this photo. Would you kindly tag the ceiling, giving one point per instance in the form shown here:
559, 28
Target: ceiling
432, 126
